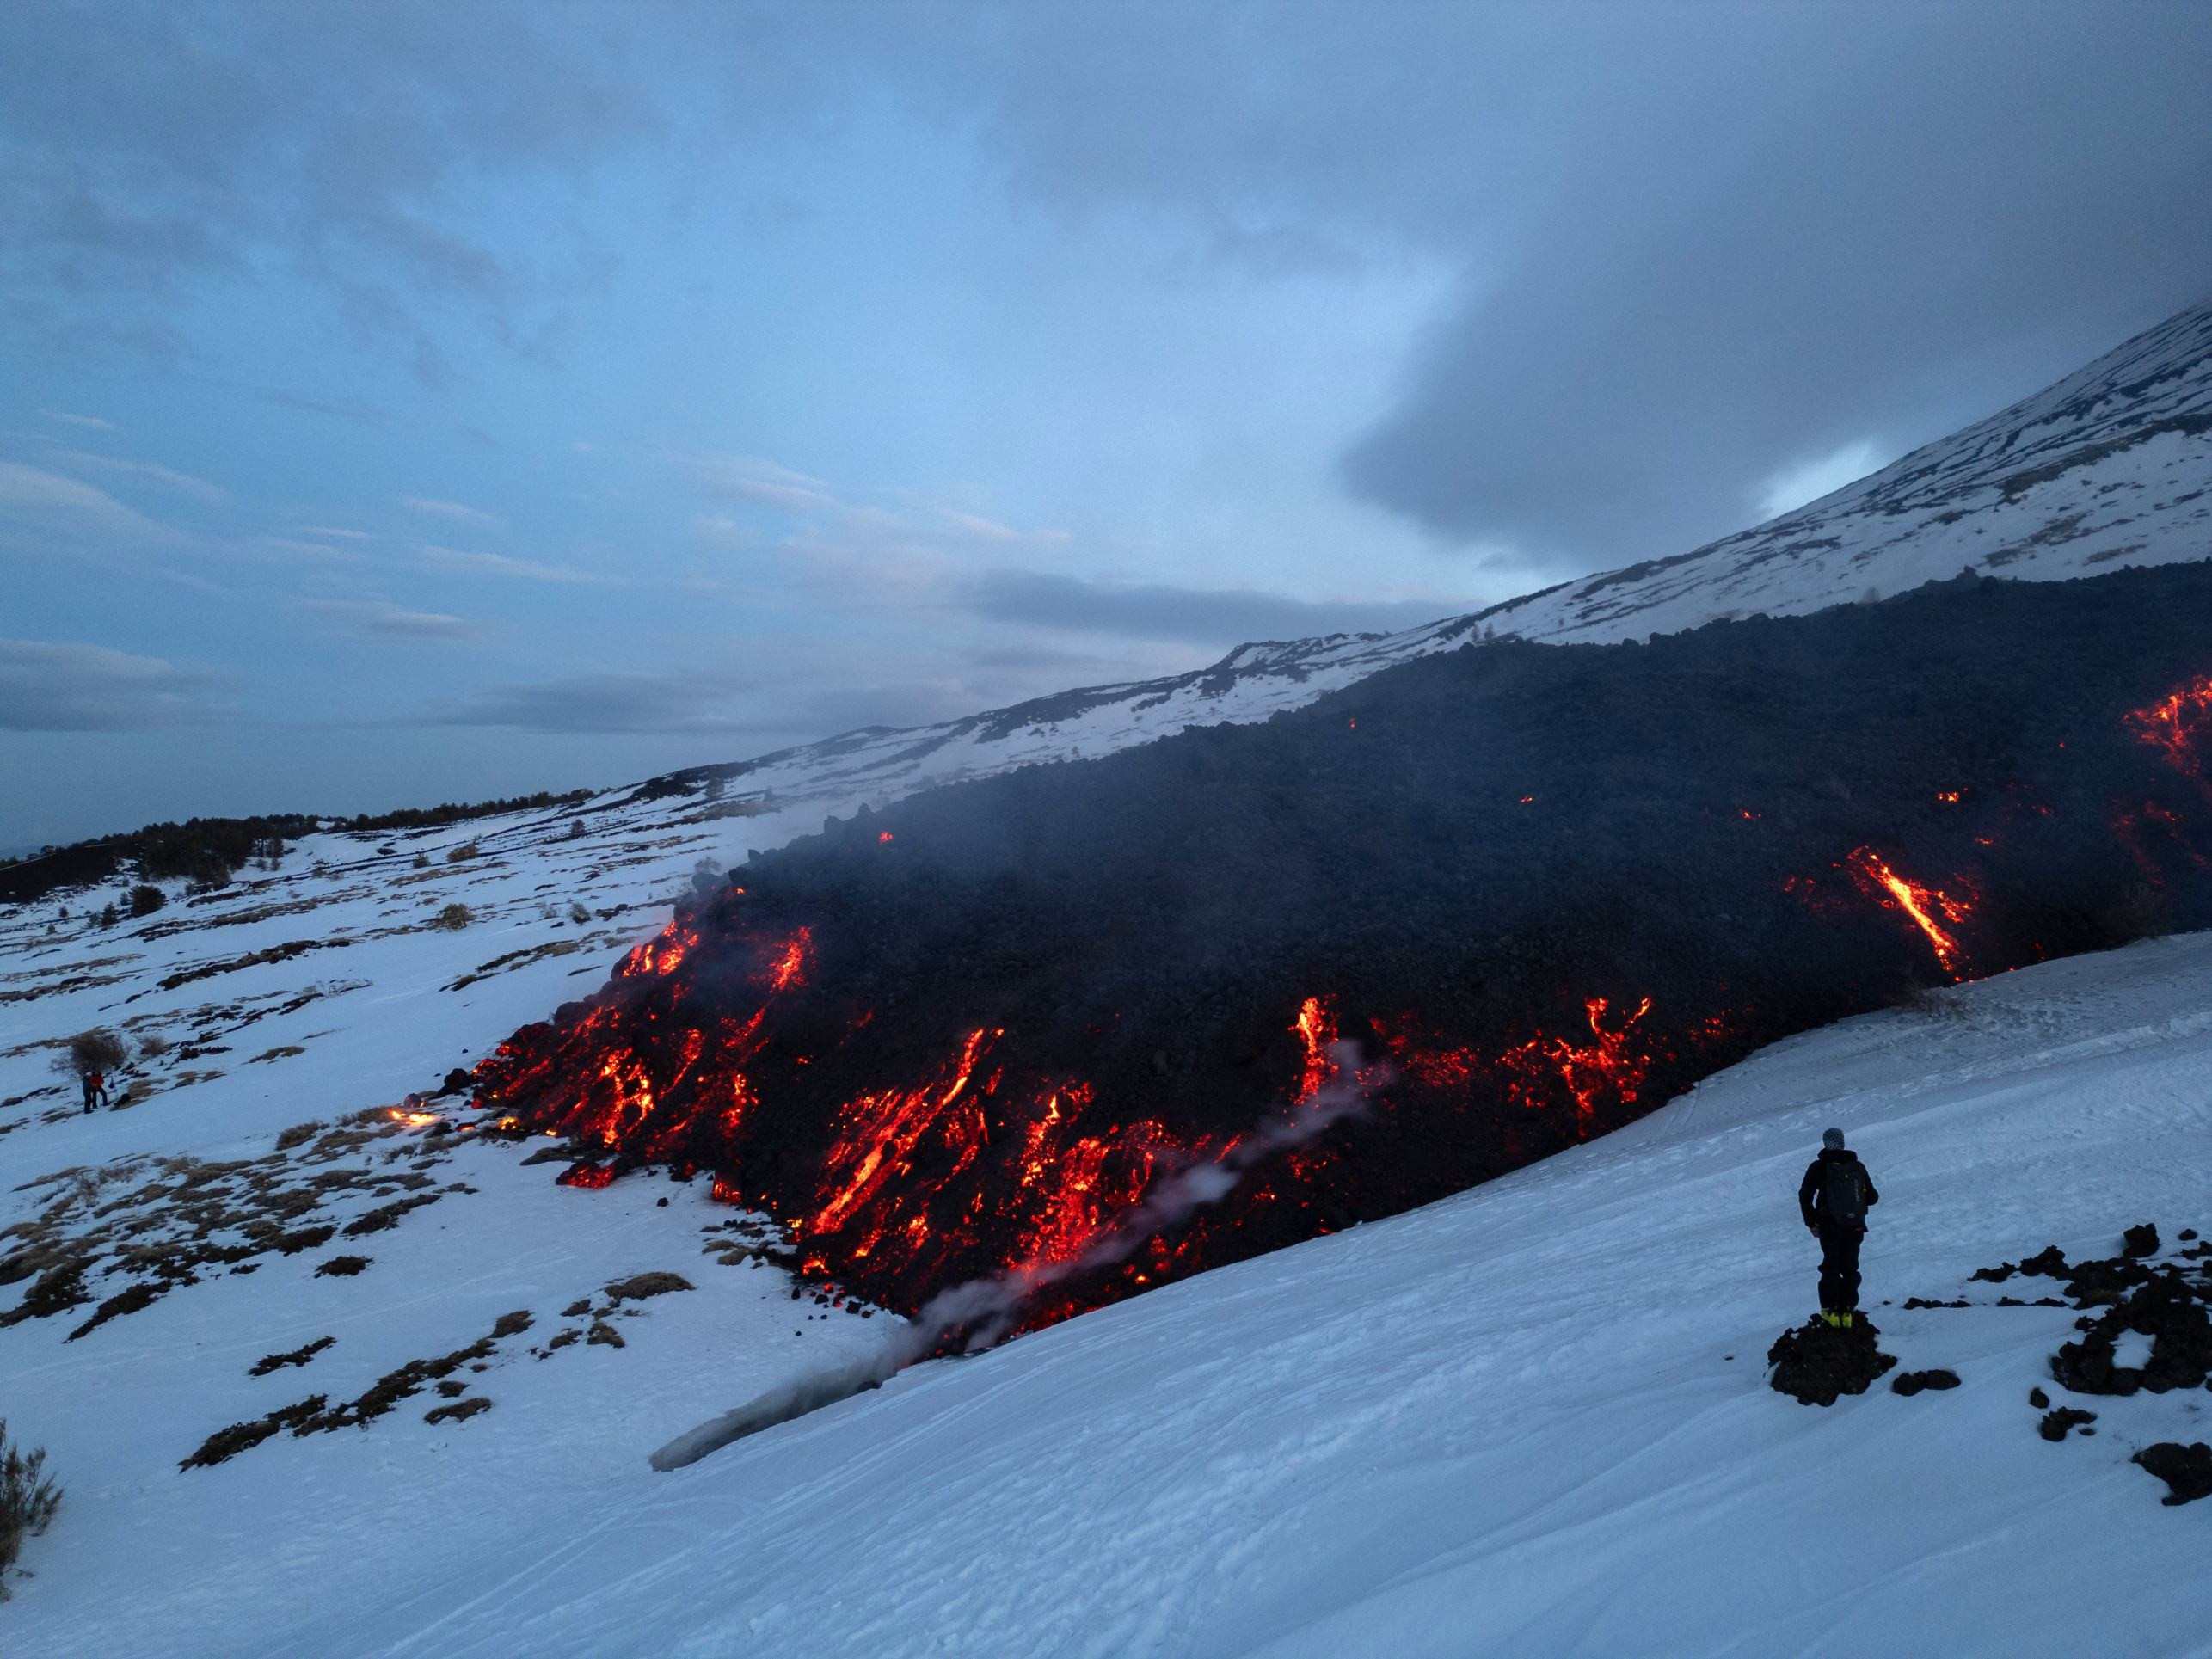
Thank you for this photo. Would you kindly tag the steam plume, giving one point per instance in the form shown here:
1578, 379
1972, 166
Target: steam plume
979, 1313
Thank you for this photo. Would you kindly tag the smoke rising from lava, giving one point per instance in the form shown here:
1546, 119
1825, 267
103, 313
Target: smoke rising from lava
970, 1318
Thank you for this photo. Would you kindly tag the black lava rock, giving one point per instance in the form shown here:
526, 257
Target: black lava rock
1817, 1364
2057, 1424
2167, 1308
2140, 1240
2186, 1470
1912, 1382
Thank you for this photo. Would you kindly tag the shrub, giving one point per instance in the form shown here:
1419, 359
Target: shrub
27, 1500
146, 899
422, 861
466, 849
153, 1045
577, 913
453, 917
96, 1050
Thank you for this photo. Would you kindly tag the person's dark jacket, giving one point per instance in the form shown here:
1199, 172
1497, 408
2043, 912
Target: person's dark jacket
1810, 1190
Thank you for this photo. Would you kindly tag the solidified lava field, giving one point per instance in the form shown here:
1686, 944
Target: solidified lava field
1542, 887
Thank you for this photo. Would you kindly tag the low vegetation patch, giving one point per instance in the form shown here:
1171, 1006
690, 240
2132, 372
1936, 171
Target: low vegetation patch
148, 1226
638, 1287
459, 1411
28, 1498
269, 1362
315, 1415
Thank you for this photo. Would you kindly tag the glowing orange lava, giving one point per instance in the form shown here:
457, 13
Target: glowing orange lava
1316, 1027
1609, 1066
879, 1133
789, 970
2177, 725
1929, 908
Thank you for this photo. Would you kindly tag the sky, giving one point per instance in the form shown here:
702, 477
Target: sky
431, 401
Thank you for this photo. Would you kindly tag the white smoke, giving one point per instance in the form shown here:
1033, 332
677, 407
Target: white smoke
982, 1310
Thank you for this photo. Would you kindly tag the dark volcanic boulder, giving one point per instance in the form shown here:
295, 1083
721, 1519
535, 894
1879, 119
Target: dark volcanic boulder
1816, 1364
2186, 1470
2140, 1241
2057, 1425
2168, 1308
1912, 1382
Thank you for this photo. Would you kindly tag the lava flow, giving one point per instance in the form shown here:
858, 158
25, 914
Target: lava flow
1610, 1066
1931, 910
714, 1048
2179, 725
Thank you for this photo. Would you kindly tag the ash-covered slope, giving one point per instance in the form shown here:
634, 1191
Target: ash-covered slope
2108, 468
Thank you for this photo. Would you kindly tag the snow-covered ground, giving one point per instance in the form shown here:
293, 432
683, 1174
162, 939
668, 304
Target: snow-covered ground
1532, 1418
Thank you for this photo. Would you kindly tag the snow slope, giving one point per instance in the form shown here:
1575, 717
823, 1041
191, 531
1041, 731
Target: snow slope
1530, 1418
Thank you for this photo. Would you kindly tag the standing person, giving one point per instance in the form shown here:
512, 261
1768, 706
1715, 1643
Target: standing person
1834, 1198
95, 1089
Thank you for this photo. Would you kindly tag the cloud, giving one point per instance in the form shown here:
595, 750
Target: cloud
760, 483
1154, 611
608, 703
383, 616
498, 564
92, 421
332, 531
150, 142
47, 501
315, 552
1793, 486
727, 704
182, 482
59, 686
455, 511
980, 529
1691, 245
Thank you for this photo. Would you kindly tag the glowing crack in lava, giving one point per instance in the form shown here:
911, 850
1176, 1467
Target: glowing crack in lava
1930, 909
2177, 725
2131, 826
1606, 1067
1316, 1027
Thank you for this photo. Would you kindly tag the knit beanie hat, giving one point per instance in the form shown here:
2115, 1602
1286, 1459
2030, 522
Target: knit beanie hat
1833, 1139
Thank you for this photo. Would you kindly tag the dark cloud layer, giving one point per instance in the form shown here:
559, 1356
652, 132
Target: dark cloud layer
150, 142
62, 686
1698, 245
707, 703
1152, 610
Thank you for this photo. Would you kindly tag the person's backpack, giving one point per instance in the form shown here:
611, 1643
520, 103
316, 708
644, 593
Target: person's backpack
1843, 1191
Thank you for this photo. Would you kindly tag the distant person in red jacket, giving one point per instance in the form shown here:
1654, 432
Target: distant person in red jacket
1834, 1198
96, 1090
